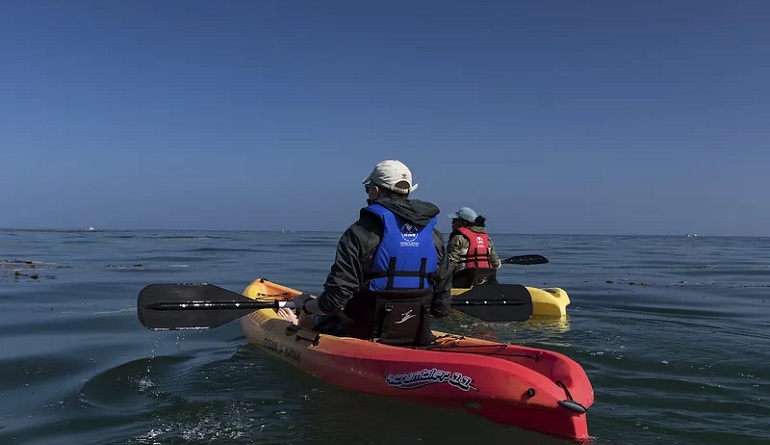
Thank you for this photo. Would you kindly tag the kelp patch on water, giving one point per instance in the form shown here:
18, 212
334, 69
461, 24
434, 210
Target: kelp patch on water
20, 269
33, 270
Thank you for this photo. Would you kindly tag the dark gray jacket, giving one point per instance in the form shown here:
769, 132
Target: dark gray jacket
356, 249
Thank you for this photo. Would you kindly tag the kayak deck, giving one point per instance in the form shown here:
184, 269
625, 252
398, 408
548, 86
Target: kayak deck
551, 302
531, 388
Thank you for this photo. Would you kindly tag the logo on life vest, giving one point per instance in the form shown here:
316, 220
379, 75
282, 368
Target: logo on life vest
409, 233
479, 241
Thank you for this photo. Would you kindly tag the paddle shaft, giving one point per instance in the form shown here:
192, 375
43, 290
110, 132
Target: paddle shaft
214, 305
203, 306
257, 305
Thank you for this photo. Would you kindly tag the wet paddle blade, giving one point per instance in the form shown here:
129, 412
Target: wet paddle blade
525, 260
495, 302
192, 306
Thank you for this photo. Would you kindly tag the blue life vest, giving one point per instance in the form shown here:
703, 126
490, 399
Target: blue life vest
406, 255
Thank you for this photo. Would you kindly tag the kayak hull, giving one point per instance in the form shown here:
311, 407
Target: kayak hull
550, 302
505, 383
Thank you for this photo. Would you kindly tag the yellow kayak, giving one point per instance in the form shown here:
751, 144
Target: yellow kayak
549, 302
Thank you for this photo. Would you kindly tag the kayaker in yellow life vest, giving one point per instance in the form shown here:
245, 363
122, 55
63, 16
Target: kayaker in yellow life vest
471, 253
390, 272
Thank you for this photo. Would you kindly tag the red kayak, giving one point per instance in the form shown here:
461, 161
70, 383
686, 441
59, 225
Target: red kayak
531, 388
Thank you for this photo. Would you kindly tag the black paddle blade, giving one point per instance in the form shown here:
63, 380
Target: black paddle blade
495, 302
192, 306
524, 260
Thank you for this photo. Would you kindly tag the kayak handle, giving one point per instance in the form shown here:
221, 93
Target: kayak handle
573, 406
570, 404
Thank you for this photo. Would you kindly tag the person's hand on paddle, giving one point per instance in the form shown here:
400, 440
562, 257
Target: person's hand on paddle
287, 314
300, 300
292, 315
306, 303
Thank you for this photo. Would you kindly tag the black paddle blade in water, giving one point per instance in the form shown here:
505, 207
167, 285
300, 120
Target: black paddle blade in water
525, 260
193, 306
495, 302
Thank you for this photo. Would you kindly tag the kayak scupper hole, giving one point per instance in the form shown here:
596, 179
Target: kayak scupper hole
531, 392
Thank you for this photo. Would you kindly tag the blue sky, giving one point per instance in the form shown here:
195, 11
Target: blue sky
598, 117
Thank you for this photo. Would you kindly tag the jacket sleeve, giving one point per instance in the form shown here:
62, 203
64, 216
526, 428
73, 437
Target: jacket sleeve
457, 244
494, 260
346, 276
442, 288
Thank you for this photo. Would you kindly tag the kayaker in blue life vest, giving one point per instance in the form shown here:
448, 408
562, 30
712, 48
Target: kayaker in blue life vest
471, 253
390, 272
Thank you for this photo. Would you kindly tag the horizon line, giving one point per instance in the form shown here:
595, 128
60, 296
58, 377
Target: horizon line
71, 230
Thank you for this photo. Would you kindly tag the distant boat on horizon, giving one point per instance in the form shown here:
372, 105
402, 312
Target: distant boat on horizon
690, 235
91, 228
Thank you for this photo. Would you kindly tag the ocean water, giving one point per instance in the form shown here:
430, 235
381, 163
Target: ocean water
674, 333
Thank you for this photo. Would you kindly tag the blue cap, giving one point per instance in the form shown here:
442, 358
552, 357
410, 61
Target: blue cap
465, 213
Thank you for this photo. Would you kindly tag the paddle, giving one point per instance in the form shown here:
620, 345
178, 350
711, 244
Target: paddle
204, 306
195, 306
495, 302
524, 260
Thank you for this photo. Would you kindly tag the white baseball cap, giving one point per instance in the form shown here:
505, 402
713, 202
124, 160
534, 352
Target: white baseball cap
392, 175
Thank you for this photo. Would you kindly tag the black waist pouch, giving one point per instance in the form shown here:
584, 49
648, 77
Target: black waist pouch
402, 322
394, 317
